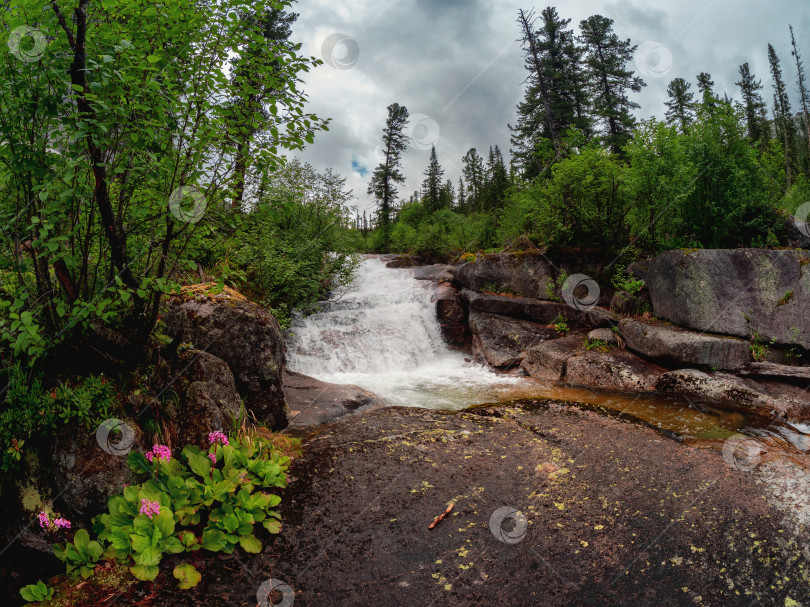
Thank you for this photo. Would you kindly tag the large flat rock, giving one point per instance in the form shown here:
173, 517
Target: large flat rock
615, 515
613, 370
738, 292
502, 341
676, 346
313, 402
738, 394
551, 356
535, 274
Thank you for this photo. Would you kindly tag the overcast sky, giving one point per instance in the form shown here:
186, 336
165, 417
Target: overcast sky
458, 68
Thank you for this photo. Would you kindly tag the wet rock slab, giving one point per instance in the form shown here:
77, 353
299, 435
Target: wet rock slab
313, 402
616, 514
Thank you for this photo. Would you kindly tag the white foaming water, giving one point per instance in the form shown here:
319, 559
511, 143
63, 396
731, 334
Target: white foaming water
383, 336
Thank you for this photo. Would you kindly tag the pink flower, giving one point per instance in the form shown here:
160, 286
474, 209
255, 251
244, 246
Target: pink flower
150, 508
217, 437
62, 523
213, 458
43, 519
159, 451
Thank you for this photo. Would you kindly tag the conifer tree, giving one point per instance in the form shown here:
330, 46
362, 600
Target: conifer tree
804, 95
461, 202
705, 86
783, 116
681, 104
388, 173
474, 177
606, 58
754, 106
432, 185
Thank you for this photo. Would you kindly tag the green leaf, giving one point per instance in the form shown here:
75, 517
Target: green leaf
152, 58
213, 540
164, 521
145, 573
249, 543
150, 556
187, 575
81, 540
272, 525
77, 87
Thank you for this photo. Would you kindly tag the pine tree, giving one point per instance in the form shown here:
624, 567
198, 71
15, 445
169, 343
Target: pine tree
447, 195
474, 177
388, 173
783, 116
607, 57
432, 185
754, 106
681, 104
555, 99
705, 86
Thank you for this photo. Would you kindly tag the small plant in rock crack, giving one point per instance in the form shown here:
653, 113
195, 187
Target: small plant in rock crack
35, 593
760, 349
210, 502
561, 328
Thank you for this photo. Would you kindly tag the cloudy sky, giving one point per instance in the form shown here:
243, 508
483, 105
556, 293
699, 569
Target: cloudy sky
458, 68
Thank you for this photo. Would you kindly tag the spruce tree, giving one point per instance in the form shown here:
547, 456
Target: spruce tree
754, 106
804, 95
474, 177
681, 104
388, 173
606, 58
432, 185
783, 116
461, 201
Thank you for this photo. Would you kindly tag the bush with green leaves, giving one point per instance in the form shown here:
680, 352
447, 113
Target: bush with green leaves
295, 246
211, 502
31, 413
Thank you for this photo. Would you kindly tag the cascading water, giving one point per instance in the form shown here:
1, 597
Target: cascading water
383, 335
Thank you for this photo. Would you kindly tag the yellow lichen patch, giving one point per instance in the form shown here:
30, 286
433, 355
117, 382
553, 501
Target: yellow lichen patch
211, 290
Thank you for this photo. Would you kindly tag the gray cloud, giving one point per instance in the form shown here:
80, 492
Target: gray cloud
458, 62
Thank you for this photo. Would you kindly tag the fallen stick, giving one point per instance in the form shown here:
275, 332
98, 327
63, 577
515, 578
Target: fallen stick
440, 518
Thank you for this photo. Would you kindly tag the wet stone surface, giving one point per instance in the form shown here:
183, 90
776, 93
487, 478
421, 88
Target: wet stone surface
615, 514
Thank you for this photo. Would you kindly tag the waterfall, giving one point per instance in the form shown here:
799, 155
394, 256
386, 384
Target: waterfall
383, 335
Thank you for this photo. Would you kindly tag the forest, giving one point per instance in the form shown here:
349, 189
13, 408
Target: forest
721, 169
